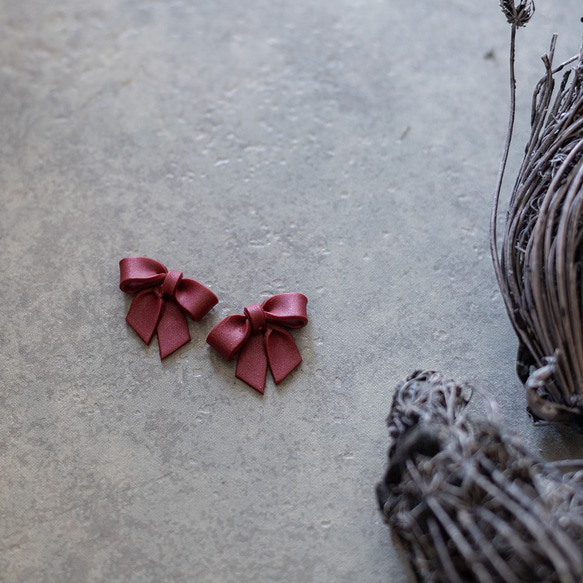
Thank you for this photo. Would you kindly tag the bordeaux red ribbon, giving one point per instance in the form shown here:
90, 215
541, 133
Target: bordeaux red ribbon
258, 338
162, 298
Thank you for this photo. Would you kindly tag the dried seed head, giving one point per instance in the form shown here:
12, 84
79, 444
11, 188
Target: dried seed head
517, 15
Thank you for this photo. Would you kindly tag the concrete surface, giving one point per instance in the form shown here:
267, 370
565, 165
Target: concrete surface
346, 149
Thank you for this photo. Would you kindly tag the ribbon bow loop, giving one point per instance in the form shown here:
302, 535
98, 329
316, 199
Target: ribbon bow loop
259, 340
162, 298
287, 309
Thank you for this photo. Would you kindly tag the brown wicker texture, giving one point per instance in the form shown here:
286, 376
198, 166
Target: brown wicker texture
538, 266
468, 501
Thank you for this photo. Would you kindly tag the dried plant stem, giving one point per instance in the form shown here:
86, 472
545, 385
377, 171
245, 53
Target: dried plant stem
500, 177
504, 160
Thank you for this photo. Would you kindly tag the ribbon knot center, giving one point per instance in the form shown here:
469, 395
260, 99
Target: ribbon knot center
170, 283
256, 317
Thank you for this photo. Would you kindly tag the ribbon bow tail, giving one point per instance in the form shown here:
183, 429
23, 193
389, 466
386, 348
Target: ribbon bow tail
150, 313
282, 352
252, 363
276, 349
144, 314
172, 329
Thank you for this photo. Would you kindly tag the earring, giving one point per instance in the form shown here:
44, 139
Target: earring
258, 338
161, 301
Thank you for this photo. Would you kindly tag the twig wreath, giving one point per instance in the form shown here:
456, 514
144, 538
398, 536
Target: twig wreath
538, 266
468, 501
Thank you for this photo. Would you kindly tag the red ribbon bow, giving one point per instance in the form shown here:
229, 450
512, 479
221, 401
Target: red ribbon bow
259, 339
162, 297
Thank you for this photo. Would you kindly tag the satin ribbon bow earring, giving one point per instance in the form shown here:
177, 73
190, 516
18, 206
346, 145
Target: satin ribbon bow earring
258, 338
162, 299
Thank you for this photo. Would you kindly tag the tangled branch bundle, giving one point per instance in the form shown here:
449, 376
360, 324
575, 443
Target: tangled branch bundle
539, 265
468, 501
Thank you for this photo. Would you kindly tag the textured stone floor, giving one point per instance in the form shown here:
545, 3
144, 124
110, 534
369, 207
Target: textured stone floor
346, 149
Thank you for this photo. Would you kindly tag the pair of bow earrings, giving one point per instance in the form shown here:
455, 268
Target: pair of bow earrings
257, 338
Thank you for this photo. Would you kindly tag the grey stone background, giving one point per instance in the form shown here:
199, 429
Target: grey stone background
346, 149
